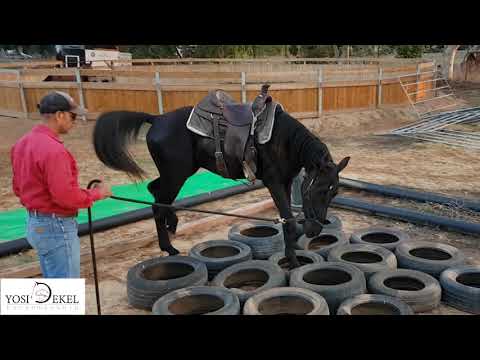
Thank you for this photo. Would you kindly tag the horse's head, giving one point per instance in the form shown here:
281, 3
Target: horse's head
319, 187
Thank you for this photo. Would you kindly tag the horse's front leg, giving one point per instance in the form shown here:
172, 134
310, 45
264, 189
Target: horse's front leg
280, 197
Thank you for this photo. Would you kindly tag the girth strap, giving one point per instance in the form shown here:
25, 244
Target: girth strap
220, 161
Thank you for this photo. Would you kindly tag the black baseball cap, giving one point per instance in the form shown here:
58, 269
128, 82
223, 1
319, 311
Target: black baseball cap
59, 101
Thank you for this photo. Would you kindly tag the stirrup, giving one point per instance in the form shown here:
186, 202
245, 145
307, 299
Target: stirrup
249, 174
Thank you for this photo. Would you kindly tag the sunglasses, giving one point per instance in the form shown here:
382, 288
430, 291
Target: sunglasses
73, 115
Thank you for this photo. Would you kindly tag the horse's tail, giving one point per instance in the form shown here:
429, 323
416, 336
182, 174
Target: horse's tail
112, 134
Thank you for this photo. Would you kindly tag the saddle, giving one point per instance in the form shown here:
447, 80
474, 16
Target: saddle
233, 126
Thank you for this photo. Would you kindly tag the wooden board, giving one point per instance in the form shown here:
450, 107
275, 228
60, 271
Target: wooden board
101, 100
10, 99
337, 98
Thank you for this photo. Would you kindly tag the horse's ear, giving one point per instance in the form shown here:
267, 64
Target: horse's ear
343, 164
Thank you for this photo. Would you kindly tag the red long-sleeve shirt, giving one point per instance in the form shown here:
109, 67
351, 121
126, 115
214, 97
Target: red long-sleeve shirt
45, 174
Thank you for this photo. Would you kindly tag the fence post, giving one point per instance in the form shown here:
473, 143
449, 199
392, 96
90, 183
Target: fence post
379, 86
80, 91
320, 90
22, 95
418, 82
244, 87
159, 92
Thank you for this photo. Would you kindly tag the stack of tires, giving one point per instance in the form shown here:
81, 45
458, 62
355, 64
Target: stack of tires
372, 271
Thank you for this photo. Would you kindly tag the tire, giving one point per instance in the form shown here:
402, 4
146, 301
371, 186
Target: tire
248, 278
151, 279
220, 254
419, 290
304, 257
380, 236
264, 238
336, 282
368, 304
324, 242
461, 288
429, 257
286, 301
333, 222
198, 300
368, 258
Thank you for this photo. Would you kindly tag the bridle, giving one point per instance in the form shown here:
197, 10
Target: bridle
308, 202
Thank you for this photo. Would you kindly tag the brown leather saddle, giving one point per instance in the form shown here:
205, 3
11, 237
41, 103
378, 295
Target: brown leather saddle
234, 126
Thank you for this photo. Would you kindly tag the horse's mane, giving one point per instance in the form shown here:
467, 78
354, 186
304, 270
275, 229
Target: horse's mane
309, 148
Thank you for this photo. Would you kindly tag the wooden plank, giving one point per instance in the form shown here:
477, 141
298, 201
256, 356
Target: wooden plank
342, 84
287, 86
204, 224
46, 72
10, 100
102, 100
11, 113
120, 87
393, 94
49, 85
9, 84
337, 98
27, 64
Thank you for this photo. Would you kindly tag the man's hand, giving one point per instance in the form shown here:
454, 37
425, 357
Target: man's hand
104, 189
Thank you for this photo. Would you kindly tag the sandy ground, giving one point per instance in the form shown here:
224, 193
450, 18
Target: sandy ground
379, 159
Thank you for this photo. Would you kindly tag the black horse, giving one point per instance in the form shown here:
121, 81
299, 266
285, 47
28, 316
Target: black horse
178, 153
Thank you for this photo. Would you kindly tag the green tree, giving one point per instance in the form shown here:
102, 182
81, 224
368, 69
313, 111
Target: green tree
409, 51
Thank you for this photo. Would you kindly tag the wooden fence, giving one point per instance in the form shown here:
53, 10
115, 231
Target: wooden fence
303, 93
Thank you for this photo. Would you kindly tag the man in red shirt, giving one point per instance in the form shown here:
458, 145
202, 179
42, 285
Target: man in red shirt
45, 178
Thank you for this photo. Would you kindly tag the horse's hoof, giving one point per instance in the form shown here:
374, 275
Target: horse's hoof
294, 263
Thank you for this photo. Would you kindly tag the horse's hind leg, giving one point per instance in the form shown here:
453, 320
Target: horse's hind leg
165, 191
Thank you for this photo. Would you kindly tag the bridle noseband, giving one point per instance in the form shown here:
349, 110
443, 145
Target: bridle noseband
309, 202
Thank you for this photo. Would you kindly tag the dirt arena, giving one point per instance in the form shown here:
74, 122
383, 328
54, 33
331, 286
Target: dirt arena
383, 160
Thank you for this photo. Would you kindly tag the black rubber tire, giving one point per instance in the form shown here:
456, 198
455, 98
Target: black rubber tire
217, 262
364, 305
304, 257
294, 301
262, 246
387, 259
409, 289
373, 236
351, 281
142, 292
324, 242
198, 300
406, 260
461, 288
275, 277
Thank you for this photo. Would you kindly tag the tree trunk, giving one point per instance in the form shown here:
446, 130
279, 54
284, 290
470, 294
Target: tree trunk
450, 53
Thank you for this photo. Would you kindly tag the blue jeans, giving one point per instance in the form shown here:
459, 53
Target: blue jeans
57, 244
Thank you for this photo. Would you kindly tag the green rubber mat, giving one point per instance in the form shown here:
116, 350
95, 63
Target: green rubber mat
13, 222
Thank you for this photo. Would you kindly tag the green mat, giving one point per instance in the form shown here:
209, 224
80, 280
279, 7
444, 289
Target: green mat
13, 222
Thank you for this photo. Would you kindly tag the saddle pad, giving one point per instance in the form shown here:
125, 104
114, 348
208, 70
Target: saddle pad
263, 125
